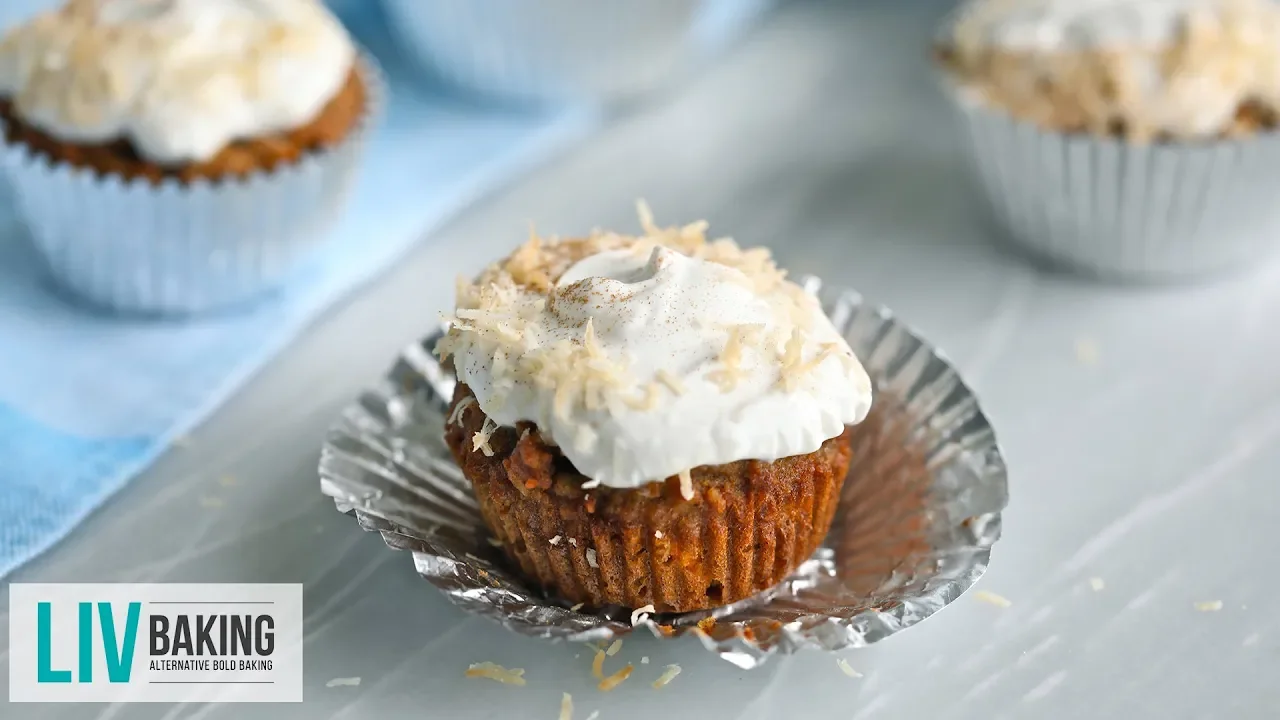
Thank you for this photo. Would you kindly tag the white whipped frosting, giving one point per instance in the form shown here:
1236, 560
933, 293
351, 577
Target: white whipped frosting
179, 79
667, 319
1186, 65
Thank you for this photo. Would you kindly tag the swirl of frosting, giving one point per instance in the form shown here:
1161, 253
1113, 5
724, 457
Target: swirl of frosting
643, 362
178, 79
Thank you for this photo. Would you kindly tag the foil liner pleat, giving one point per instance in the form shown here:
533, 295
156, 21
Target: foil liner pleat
1162, 211
567, 50
917, 517
173, 248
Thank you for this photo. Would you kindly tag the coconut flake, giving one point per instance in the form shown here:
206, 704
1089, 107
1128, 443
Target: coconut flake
672, 382
847, 669
343, 682
455, 415
616, 679
1209, 606
591, 558
1097, 584
614, 648
667, 676
993, 599
491, 671
566, 707
686, 484
641, 613
480, 441
555, 540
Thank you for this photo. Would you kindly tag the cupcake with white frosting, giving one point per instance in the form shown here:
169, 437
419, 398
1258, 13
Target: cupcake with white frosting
651, 421
1133, 138
174, 156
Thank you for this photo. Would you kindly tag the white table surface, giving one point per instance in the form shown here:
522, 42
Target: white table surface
1141, 426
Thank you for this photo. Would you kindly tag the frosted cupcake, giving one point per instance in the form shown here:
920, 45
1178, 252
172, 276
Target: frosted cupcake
654, 421
175, 156
554, 51
1124, 137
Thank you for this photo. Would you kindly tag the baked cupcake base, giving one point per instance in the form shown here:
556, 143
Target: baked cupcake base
748, 526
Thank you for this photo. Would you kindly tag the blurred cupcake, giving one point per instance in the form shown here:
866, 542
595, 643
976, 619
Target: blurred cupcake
567, 50
651, 421
175, 156
1127, 138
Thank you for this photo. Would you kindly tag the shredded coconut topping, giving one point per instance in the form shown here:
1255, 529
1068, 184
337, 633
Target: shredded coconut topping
617, 346
591, 558
456, 415
480, 440
1182, 69
180, 80
641, 614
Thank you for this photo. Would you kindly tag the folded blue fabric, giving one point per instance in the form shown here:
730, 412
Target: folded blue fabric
87, 402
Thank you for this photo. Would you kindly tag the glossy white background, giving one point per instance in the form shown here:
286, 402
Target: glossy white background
1141, 426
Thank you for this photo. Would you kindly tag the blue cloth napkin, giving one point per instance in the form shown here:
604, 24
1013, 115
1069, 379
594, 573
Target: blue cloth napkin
87, 402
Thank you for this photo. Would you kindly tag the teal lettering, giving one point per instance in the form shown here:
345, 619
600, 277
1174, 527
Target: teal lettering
119, 657
86, 642
44, 648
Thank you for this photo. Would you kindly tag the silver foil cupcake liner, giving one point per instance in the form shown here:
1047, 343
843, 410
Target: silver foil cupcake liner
917, 517
176, 248
1162, 211
566, 50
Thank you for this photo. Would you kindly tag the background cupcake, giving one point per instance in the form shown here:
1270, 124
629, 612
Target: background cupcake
567, 50
183, 155
1124, 138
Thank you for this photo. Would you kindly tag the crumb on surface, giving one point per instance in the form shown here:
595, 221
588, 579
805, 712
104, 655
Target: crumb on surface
566, 707
847, 669
1209, 605
1097, 584
343, 682
1086, 351
667, 676
616, 679
614, 648
491, 671
989, 597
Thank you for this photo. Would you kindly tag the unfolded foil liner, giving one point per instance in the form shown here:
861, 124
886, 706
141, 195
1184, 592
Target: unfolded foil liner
917, 518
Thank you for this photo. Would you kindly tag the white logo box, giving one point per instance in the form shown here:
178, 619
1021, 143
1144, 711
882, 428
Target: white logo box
155, 643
